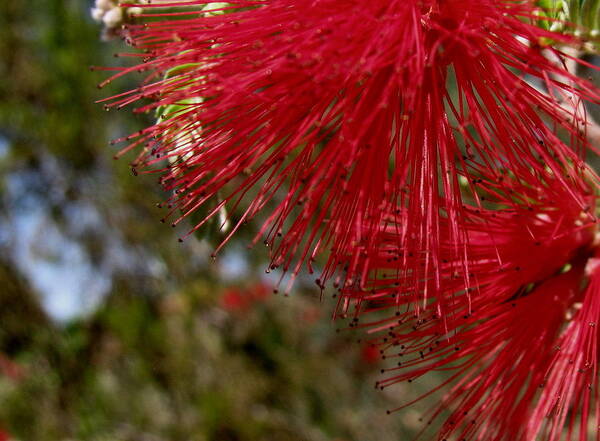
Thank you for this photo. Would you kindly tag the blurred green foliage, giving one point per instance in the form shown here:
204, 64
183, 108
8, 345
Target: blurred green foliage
581, 17
170, 352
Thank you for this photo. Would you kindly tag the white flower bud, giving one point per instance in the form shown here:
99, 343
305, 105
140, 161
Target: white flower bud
97, 14
134, 11
106, 5
215, 5
113, 18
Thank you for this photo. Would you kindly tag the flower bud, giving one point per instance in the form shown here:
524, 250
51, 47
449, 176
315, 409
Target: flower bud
113, 17
97, 14
105, 5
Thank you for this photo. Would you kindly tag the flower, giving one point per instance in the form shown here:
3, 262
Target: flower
369, 354
236, 299
324, 116
10, 369
513, 322
405, 141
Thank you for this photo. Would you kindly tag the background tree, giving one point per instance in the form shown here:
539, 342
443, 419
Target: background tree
112, 330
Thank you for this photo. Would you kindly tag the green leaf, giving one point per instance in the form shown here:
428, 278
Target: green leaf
578, 17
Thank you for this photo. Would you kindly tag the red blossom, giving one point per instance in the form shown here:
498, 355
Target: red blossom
241, 300
404, 140
234, 300
370, 354
344, 109
260, 291
513, 323
10, 369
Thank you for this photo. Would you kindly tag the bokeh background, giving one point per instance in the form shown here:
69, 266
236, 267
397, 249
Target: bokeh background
112, 330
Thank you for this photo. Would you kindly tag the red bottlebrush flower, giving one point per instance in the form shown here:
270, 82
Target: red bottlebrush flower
234, 300
344, 110
513, 322
10, 369
370, 354
403, 139
260, 291
238, 300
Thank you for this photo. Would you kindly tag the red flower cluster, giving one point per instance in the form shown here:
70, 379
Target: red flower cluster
10, 369
514, 321
235, 299
370, 354
404, 140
